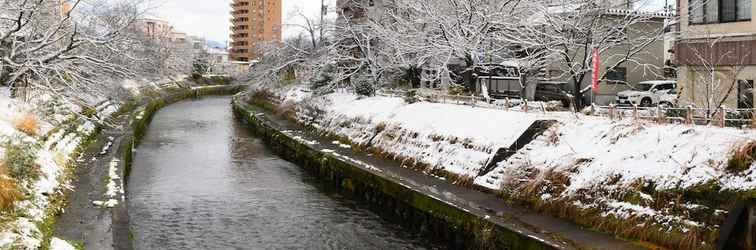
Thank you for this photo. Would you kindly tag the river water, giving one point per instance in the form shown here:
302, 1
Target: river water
200, 180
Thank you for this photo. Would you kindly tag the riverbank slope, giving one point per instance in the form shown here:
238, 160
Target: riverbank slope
459, 216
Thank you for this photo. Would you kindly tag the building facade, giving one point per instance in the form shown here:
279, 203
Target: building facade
253, 22
716, 53
647, 65
157, 29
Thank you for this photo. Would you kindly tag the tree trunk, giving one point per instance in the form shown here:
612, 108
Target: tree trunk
468, 74
578, 96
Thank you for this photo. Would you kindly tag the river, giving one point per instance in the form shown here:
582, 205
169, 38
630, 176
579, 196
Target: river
200, 180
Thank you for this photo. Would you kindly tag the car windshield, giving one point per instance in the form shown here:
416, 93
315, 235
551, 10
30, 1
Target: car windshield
645, 87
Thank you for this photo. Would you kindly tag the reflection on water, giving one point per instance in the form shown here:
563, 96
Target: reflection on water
201, 181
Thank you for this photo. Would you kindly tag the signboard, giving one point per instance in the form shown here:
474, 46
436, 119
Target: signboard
596, 64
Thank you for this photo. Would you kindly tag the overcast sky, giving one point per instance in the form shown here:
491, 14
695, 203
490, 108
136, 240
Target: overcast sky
211, 18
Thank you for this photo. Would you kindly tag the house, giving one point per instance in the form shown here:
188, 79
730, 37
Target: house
647, 64
715, 53
637, 36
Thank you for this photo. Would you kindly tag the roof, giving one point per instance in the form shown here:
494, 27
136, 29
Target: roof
658, 82
539, 17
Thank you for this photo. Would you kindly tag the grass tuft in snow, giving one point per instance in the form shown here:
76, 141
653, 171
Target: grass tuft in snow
9, 191
742, 158
20, 157
27, 123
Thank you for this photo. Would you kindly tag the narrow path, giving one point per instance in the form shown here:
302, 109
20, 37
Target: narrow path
82, 222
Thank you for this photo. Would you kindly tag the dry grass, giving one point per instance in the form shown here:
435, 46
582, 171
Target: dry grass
263, 94
552, 136
742, 158
381, 127
286, 110
462, 180
27, 123
9, 192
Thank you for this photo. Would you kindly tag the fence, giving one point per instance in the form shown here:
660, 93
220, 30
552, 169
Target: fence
723, 117
481, 102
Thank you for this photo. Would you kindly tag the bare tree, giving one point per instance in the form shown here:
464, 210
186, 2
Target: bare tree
714, 69
436, 35
49, 46
562, 35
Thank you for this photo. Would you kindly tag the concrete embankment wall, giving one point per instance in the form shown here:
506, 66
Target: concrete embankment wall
415, 210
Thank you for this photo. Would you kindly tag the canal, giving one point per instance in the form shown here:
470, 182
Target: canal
200, 180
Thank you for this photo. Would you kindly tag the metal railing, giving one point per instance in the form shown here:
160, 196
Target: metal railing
479, 102
723, 117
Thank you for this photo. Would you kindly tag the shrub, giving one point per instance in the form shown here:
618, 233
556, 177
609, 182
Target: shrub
411, 97
88, 111
456, 89
27, 123
323, 77
286, 109
364, 86
742, 158
9, 192
199, 68
263, 94
677, 113
20, 159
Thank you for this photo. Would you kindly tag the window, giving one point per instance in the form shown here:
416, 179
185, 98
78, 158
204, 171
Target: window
744, 10
666, 86
718, 11
616, 76
745, 94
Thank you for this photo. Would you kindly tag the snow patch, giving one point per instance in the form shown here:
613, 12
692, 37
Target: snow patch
58, 244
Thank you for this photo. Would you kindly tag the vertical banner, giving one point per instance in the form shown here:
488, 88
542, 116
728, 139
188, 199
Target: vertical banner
596, 63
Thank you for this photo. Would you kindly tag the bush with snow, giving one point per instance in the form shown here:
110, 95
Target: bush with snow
20, 158
364, 85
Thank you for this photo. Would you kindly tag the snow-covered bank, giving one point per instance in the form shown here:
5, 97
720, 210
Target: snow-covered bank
672, 179
437, 135
54, 145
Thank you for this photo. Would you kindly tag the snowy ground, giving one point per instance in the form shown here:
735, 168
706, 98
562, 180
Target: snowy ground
56, 150
623, 170
62, 131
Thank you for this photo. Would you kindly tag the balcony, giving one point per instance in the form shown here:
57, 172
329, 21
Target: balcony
239, 27
239, 19
240, 35
237, 4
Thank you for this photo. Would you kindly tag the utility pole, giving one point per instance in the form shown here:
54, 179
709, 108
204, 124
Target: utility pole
323, 10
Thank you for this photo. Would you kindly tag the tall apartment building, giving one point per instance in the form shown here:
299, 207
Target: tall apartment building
253, 22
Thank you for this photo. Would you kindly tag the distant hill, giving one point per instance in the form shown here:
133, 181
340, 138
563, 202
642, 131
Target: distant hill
216, 44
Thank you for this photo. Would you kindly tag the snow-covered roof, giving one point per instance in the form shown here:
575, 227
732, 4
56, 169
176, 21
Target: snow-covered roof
539, 17
511, 63
655, 82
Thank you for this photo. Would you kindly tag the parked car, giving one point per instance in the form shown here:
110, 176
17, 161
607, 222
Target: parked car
552, 91
649, 94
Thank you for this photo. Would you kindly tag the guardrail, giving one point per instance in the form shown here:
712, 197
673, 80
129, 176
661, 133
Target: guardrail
723, 117
479, 102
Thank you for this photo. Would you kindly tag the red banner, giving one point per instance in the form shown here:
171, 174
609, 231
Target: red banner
596, 64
